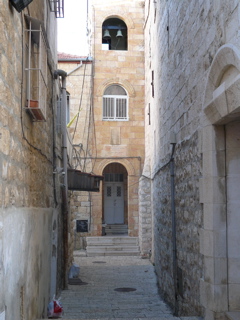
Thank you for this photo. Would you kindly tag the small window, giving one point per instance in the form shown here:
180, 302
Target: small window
115, 103
114, 35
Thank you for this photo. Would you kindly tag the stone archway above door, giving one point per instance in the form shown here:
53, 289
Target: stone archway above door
125, 162
221, 106
222, 94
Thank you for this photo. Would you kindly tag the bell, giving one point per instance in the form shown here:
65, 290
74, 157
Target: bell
106, 34
119, 33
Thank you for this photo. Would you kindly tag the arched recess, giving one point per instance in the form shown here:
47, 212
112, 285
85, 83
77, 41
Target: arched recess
114, 34
125, 83
220, 191
119, 15
126, 163
221, 94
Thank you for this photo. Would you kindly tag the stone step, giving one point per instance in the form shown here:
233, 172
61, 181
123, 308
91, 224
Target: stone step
121, 226
99, 241
233, 315
121, 252
112, 246
169, 317
116, 229
113, 253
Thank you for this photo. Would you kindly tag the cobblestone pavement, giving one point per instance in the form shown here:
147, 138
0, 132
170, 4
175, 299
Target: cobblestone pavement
98, 299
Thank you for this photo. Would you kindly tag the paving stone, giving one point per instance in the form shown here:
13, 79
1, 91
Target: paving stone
99, 300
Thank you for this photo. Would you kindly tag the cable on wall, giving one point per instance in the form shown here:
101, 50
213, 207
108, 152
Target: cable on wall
21, 104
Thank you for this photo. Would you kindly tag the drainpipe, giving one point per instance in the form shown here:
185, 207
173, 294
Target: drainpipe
63, 75
174, 242
75, 69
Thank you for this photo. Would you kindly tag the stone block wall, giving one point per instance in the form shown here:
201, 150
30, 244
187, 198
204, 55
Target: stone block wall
145, 217
120, 141
79, 88
27, 198
181, 38
80, 210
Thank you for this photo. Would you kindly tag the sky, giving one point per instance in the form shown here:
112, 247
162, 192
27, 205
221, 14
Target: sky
72, 28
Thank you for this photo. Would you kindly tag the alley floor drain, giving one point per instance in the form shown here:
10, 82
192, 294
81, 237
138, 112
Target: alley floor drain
76, 281
125, 289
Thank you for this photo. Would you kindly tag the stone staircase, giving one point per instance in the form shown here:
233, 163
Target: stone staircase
112, 229
112, 246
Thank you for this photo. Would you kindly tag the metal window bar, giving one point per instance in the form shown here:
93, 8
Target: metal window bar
121, 108
115, 108
36, 70
57, 6
108, 108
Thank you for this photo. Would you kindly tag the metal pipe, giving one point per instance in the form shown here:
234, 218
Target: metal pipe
75, 69
76, 59
64, 132
63, 75
174, 242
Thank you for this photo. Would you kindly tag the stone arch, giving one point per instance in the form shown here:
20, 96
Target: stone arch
125, 83
124, 16
223, 79
126, 163
221, 112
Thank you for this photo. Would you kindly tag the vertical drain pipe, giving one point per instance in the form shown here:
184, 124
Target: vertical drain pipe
174, 245
63, 75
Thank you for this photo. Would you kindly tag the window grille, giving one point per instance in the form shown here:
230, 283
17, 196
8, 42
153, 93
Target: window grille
113, 177
115, 103
36, 70
109, 191
57, 6
119, 191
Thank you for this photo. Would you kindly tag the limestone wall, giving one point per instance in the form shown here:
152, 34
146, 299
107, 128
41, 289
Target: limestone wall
79, 87
181, 38
120, 141
27, 196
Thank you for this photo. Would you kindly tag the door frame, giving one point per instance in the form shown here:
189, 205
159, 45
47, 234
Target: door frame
112, 207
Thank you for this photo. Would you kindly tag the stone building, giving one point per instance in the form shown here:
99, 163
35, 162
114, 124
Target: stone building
80, 125
117, 44
191, 168
31, 214
180, 185
108, 93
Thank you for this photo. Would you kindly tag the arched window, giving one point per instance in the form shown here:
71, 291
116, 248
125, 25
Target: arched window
114, 34
115, 103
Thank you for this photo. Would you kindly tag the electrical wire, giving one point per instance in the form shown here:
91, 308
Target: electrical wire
21, 104
94, 144
88, 131
80, 103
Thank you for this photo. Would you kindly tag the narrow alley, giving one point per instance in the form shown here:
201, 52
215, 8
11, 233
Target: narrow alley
115, 288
